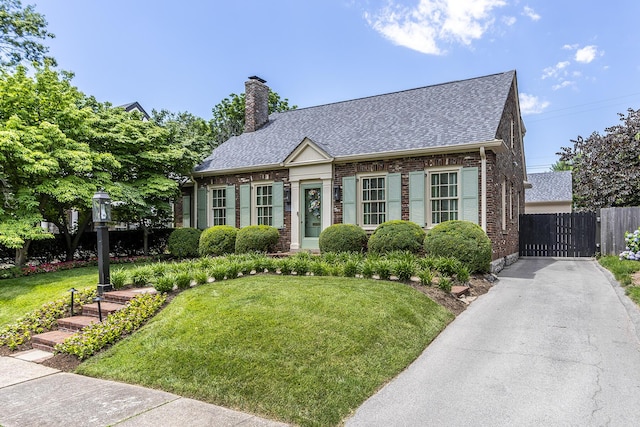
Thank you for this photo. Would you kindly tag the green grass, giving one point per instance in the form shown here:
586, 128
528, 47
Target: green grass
23, 294
622, 271
302, 350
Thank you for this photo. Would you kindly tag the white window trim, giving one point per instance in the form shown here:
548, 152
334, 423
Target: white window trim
427, 190
360, 201
254, 200
211, 197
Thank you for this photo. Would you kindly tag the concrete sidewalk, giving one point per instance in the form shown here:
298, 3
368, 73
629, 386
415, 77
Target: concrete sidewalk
35, 395
555, 343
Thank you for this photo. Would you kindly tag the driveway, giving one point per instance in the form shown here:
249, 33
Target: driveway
555, 342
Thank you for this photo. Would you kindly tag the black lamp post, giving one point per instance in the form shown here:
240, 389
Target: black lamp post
102, 215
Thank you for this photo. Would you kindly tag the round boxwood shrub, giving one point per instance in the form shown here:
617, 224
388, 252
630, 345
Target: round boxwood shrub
342, 238
397, 235
257, 238
462, 240
218, 240
183, 242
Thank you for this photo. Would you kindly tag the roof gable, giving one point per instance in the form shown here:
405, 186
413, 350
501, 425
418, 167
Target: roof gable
431, 117
308, 152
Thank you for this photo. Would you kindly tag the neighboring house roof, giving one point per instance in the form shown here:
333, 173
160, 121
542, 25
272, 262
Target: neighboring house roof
440, 116
135, 106
549, 187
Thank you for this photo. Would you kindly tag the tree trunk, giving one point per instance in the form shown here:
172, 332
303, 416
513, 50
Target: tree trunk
21, 254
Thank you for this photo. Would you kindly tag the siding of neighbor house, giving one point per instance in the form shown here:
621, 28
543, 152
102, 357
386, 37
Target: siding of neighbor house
436, 129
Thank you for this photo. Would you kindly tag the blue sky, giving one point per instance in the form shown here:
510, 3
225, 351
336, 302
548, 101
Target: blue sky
577, 61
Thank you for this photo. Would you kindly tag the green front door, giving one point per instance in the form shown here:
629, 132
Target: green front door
310, 215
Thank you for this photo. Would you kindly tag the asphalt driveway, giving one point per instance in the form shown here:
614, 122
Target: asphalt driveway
556, 342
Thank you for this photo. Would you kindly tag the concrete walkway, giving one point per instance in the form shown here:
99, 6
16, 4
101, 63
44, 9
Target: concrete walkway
34, 395
555, 343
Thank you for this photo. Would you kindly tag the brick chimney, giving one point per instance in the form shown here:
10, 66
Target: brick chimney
256, 112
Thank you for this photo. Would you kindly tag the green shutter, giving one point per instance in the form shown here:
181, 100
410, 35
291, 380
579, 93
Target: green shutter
230, 205
245, 205
469, 199
349, 198
202, 208
416, 197
277, 200
394, 196
186, 211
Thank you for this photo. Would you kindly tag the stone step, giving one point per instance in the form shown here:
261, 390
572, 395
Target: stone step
458, 291
48, 340
125, 295
107, 308
76, 323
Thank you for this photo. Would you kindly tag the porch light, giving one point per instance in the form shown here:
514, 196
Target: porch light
337, 193
101, 207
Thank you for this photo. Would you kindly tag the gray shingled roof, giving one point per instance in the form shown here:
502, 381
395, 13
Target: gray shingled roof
453, 113
549, 187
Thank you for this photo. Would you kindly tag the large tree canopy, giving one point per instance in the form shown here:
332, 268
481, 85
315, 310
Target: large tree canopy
57, 147
606, 168
21, 31
228, 115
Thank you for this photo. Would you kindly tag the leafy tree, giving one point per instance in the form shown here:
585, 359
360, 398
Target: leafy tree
560, 166
606, 168
192, 132
40, 166
21, 29
228, 115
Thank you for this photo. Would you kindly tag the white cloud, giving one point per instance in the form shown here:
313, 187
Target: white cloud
587, 54
509, 20
563, 84
570, 46
531, 104
555, 70
528, 11
425, 26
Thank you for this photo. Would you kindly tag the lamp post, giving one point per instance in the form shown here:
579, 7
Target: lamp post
101, 204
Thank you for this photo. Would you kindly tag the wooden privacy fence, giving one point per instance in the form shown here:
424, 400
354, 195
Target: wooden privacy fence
614, 223
558, 235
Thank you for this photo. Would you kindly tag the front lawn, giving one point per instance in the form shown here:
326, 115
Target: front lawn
23, 294
306, 350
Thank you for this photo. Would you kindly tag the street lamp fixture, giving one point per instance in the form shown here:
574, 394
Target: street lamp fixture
101, 204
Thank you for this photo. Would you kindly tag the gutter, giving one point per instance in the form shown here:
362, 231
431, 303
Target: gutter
483, 167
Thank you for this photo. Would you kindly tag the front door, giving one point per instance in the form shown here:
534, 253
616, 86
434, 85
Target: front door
310, 215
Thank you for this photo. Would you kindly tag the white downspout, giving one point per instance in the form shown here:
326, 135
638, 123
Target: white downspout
483, 167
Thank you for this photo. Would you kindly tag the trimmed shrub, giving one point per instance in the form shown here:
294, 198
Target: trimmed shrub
183, 242
397, 235
218, 240
343, 238
462, 240
257, 238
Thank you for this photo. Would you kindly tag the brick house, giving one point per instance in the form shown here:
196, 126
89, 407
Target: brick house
447, 151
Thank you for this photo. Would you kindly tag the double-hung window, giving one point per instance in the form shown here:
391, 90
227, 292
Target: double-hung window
374, 200
264, 204
219, 205
444, 196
